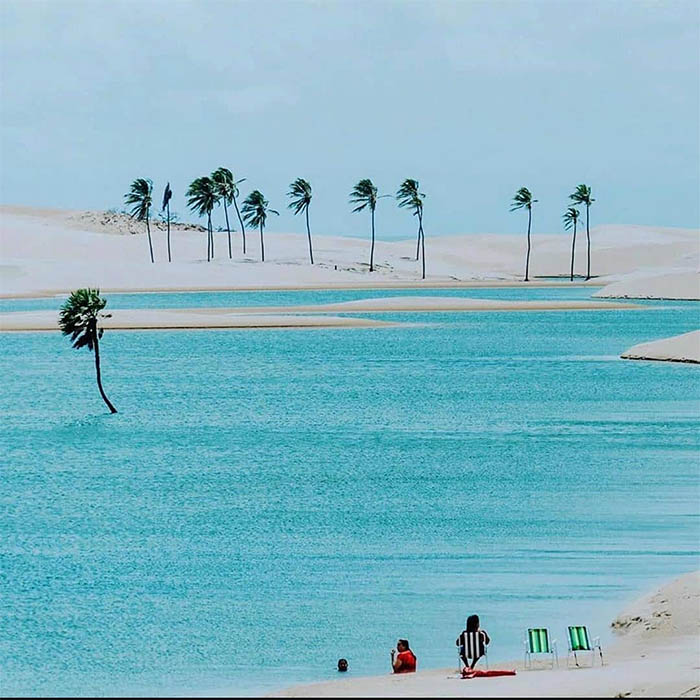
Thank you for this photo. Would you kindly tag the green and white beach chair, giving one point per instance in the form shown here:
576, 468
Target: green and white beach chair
580, 641
538, 642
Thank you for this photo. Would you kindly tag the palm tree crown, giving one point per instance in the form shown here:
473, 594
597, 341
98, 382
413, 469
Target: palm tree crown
223, 184
256, 208
202, 196
79, 316
570, 217
523, 198
582, 195
300, 195
139, 197
364, 194
409, 196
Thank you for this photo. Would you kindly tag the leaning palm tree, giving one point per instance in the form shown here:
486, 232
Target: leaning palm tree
79, 318
234, 196
410, 196
255, 210
201, 199
523, 198
224, 187
139, 197
300, 194
582, 195
364, 195
570, 221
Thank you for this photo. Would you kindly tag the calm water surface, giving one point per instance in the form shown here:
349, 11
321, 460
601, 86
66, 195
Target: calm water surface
268, 501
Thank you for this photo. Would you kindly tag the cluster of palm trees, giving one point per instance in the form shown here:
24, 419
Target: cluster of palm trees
205, 193
581, 195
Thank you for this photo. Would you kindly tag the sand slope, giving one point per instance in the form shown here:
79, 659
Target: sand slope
46, 251
679, 348
657, 656
678, 284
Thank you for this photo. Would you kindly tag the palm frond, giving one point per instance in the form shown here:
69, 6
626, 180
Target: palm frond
139, 198
202, 196
582, 195
570, 217
79, 316
255, 209
522, 198
410, 196
223, 183
364, 194
300, 195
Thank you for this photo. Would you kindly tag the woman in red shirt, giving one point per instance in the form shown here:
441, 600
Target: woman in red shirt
405, 661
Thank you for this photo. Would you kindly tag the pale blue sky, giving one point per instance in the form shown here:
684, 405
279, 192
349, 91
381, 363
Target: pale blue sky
474, 99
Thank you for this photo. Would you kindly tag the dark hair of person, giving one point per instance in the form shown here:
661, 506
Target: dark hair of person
342, 664
472, 623
404, 642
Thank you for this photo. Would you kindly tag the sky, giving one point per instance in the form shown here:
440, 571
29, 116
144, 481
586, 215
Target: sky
472, 98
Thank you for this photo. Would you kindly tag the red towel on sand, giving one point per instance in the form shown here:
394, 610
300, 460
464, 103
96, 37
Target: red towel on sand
466, 673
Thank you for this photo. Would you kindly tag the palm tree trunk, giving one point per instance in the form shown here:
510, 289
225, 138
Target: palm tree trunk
588, 242
240, 221
96, 344
573, 250
209, 237
262, 243
308, 233
418, 243
211, 233
421, 234
371, 254
527, 260
169, 258
228, 230
148, 228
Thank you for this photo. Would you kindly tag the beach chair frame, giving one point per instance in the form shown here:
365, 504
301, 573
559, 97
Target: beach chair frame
551, 647
589, 647
484, 656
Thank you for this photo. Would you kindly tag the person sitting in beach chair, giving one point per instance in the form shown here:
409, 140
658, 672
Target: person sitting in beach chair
405, 660
472, 643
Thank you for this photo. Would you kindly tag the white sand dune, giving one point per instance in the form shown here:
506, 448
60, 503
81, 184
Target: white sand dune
676, 284
656, 656
679, 348
49, 251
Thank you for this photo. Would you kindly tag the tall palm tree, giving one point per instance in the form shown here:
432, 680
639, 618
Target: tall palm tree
523, 198
409, 196
167, 195
255, 210
570, 220
139, 197
234, 196
582, 195
201, 199
364, 195
300, 194
224, 186
79, 318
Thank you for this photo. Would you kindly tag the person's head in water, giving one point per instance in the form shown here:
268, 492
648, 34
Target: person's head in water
402, 645
472, 623
342, 665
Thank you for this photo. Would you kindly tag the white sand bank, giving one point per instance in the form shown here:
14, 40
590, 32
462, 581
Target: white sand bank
163, 319
679, 348
656, 656
50, 251
678, 284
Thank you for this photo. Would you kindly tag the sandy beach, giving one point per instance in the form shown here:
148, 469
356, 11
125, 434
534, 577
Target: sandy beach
656, 655
679, 348
47, 252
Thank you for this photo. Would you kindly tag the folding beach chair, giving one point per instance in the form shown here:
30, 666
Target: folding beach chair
580, 641
474, 648
538, 642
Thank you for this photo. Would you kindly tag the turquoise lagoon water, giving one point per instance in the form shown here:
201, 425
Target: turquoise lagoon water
268, 501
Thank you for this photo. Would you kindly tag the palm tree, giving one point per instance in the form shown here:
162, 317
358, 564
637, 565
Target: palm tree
234, 196
224, 187
300, 194
79, 318
410, 196
570, 220
364, 194
139, 196
167, 195
523, 198
255, 210
201, 199
582, 195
